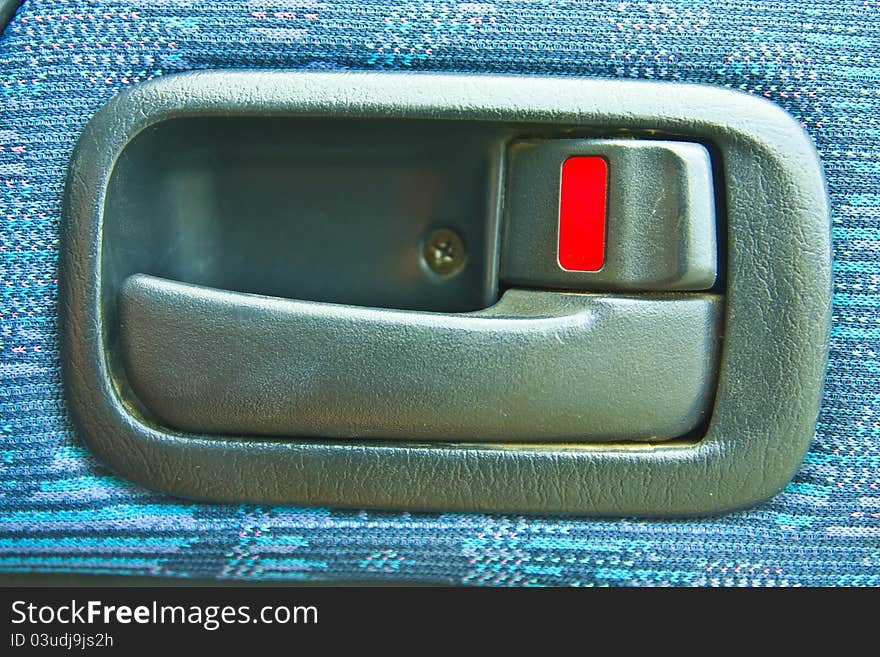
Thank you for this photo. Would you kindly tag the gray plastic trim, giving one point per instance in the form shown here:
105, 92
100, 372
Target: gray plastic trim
309, 208
7, 11
777, 313
535, 366
660, 228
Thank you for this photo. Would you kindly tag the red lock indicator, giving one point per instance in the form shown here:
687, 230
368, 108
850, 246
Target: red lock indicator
582, 207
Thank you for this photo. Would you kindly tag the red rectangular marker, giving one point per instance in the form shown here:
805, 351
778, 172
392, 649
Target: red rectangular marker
582, 205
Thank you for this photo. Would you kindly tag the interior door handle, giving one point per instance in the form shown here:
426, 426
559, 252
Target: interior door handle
448, 292
535, 366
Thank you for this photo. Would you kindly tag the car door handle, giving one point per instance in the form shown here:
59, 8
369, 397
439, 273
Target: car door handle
535, 366
448, 292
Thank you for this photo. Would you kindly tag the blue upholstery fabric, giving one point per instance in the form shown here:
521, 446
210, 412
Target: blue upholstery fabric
60, 511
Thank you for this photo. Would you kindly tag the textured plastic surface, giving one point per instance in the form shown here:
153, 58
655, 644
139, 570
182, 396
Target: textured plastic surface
542, 366
65, 513
311, 208
661, 225
776, 324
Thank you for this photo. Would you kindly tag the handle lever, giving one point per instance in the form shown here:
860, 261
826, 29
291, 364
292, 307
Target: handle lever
536, 366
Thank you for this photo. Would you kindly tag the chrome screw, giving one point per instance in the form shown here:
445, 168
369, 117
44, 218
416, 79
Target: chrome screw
443, 252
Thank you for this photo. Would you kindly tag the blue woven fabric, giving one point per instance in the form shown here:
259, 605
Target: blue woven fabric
60, 511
